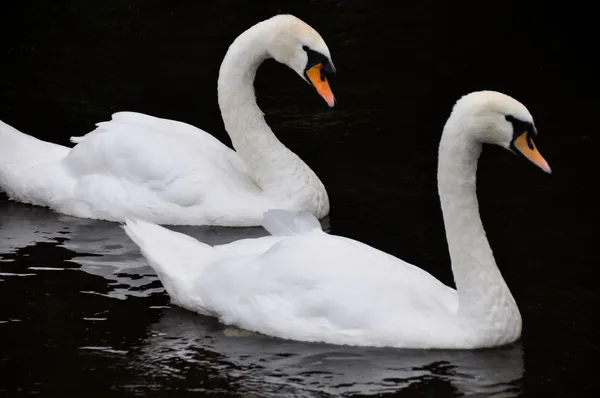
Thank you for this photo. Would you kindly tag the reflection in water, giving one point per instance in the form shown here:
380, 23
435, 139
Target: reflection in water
253, 365
101, 248
261, 363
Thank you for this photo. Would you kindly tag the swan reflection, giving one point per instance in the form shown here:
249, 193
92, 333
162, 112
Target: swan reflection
263, 364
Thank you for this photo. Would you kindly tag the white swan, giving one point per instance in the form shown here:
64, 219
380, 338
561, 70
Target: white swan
304, 284
170, 172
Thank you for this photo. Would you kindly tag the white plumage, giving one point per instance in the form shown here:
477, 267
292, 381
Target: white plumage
304, 284
170, 172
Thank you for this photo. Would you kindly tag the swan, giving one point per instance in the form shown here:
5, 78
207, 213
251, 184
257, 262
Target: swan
170, 172
303, 284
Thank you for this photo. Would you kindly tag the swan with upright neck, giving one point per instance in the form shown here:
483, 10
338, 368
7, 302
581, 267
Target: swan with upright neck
304, 284
170, 172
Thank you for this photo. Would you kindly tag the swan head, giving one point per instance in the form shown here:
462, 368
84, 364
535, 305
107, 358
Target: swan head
495, 118
294, 43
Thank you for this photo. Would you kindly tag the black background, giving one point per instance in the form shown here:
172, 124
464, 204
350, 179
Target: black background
65, 65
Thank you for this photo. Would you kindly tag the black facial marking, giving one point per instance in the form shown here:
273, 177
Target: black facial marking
315, 58
519, 127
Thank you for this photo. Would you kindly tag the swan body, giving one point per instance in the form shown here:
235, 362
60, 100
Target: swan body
170, 172
303, 284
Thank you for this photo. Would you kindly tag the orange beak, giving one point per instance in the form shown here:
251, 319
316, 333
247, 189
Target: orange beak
319, 81
525, 145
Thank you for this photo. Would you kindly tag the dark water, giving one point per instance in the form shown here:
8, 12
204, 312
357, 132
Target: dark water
81, 313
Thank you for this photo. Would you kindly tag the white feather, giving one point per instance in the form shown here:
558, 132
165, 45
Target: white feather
286, 223
170, 172
307, 285
176, 258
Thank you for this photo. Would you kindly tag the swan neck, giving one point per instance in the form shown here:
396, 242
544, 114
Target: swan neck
281, 174
243, 119
480, 285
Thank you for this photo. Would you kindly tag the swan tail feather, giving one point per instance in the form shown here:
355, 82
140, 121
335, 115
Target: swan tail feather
24, 161
285, 223
177, 259
76, 140
127, 117
20, 149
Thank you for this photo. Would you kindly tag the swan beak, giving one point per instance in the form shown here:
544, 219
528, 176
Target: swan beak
318, 79
524, 144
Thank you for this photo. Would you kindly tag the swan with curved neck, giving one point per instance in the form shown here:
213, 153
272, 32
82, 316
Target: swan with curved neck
291, 42
170, 172
304, 284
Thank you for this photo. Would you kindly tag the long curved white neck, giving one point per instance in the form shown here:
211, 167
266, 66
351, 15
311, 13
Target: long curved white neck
482, 291
278, 171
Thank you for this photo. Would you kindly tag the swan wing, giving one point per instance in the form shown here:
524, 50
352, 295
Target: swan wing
302, 284
306, 285
312, 286
152, 161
